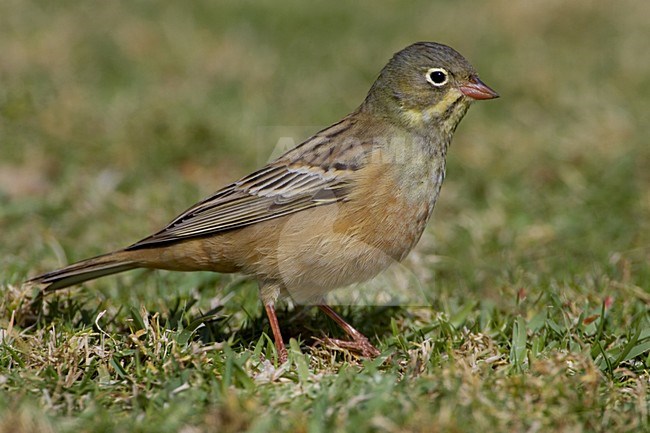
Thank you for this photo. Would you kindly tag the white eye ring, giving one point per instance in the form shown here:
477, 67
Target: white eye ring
437, 76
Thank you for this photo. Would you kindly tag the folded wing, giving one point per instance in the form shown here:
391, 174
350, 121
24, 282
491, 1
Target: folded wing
271, 192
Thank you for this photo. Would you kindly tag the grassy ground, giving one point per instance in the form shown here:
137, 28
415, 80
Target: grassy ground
116, 116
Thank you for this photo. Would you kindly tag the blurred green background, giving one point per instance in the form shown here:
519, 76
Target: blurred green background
116, 116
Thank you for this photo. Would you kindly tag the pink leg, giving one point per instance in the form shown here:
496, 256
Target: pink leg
359, 341
277, 335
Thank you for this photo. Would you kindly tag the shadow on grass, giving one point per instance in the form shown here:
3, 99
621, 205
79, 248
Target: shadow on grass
304, 323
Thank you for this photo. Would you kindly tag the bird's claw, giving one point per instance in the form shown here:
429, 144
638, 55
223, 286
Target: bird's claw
359, 345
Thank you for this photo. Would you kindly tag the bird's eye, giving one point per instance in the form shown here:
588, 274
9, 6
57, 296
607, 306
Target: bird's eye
437, 76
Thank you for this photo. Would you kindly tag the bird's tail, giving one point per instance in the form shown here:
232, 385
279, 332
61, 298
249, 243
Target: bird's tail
85, 270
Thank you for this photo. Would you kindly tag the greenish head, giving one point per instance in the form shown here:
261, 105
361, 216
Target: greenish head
426, 85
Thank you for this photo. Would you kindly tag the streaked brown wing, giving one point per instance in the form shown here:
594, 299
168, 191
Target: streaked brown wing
271, 192
315, 173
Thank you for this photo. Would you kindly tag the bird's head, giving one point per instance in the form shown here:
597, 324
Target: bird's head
427, 86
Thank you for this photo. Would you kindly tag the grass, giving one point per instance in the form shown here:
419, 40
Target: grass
115, 116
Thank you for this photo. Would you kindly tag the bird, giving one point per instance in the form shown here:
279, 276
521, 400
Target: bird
335, 210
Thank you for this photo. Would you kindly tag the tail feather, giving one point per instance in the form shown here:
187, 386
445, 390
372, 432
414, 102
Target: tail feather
84, 270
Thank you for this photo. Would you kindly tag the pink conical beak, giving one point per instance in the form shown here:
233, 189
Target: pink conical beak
476, 89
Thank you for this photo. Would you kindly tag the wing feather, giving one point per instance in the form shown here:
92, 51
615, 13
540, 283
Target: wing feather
268, 193
304, 177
